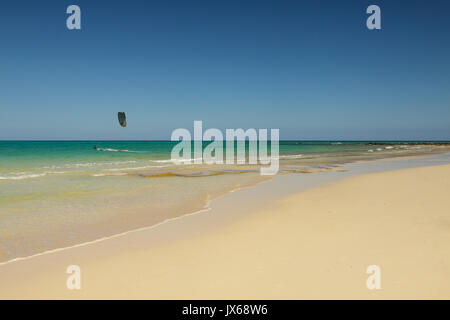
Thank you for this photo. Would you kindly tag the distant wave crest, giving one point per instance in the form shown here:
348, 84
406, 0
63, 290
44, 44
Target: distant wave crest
22, 176
118, 150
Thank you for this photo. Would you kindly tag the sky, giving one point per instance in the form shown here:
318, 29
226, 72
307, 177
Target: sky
309, 68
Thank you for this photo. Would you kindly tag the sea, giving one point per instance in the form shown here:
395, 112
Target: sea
55, 194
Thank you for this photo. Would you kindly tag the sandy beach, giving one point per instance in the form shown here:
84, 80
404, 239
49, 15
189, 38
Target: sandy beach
260, 243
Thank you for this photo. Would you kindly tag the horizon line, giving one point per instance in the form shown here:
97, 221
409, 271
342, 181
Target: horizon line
165, 140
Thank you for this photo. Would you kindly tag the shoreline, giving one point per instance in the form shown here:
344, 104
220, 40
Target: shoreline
225, 213
209, 203
206, 208
94, 199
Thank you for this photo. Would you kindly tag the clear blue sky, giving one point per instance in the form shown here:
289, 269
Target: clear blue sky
310, 68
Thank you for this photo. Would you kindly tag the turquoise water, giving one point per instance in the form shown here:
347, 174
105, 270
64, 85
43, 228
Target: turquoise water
31, 159
22, 157
59, 193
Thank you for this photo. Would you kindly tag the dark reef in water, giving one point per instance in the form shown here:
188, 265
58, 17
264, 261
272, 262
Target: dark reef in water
430, 143
383, 143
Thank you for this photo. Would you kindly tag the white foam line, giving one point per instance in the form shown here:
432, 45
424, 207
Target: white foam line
206, 208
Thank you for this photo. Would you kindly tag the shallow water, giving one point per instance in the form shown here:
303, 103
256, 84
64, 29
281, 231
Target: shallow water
59, 193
